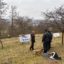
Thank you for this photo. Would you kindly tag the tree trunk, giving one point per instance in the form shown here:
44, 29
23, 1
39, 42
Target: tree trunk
62, 38
1, 44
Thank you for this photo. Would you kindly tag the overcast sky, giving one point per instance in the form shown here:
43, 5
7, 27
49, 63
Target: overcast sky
33, 8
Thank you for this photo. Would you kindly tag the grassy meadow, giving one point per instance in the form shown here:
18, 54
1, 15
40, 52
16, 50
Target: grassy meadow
16, 53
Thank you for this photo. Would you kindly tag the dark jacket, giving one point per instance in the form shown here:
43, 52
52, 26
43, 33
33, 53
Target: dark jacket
32, 37
47, 37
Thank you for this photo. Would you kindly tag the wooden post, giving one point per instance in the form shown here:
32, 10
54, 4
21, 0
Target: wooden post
62, 37
1, 44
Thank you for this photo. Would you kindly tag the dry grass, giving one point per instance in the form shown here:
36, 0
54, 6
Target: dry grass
16, 53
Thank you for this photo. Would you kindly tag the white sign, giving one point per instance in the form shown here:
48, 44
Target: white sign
24, 38
56, 35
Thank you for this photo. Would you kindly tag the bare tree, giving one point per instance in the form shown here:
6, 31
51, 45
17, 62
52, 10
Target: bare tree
13, 17
2, 12
57, 17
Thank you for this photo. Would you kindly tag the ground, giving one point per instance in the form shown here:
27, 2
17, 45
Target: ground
16, 53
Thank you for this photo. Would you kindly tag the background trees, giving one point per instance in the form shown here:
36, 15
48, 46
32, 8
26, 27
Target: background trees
3, 22
23, 25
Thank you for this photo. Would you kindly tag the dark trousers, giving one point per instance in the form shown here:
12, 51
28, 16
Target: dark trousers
46, 47
32, 46
49, 45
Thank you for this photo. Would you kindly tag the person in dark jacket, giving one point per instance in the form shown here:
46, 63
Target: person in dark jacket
32, 40
46, 39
